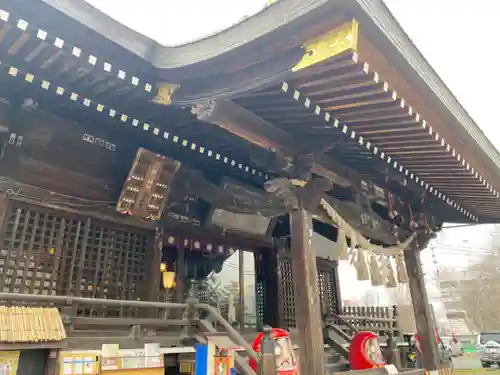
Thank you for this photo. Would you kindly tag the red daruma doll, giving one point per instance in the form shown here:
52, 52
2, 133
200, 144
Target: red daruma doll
286, 362
365, 352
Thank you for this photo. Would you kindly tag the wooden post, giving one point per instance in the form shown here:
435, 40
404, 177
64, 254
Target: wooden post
152, 282
274, 300
51, 365
307, 301
338, 296
423, 315
180, 268
241, 279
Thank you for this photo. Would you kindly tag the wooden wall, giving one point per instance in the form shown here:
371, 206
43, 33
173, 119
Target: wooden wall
63, 156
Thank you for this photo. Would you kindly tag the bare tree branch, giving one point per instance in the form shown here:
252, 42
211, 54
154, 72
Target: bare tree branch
477, 292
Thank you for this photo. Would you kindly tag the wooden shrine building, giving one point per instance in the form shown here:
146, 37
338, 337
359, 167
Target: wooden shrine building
119, 155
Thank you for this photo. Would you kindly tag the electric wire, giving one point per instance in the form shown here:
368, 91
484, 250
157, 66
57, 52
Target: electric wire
20, 192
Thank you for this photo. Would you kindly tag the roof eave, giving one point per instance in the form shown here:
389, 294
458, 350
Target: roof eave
386, 30
372, 14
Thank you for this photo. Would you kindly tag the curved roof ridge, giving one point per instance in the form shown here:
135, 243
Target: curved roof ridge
218, 31
268, 20
107, 26
260, 24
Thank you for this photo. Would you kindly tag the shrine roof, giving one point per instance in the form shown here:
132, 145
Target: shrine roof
431, 141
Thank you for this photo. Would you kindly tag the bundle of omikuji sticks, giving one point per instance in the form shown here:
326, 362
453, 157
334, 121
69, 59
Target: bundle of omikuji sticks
30, 324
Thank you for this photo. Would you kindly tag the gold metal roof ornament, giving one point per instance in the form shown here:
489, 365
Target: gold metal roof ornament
342, 39
164, 93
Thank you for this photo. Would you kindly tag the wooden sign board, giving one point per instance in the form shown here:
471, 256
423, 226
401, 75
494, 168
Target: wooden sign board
146, 190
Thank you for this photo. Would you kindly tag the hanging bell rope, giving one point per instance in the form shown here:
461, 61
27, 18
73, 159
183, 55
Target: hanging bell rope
359, 239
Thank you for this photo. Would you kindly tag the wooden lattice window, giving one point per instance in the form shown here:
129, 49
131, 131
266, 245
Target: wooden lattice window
46, 252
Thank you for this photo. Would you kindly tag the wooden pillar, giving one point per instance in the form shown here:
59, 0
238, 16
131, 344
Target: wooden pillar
275, 301
5, 208
51, 366
421, 307
338, 295
153, 279
307, 301
267, 291
155, 256
180, 274
241, 288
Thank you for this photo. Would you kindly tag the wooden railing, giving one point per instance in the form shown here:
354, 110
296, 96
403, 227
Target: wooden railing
339, 328
75, 310
378, 319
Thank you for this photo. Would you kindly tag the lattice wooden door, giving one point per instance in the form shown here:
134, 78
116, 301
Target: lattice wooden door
327, 280
327, 287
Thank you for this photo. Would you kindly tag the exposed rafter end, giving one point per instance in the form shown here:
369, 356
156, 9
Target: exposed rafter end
149, 128
75, 51
333, 122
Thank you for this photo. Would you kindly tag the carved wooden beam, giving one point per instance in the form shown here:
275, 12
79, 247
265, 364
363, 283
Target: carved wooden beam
247, 125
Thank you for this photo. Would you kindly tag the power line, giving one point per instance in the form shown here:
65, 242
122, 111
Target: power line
465, 248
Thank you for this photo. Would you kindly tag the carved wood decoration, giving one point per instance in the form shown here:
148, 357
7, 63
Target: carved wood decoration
364, 220
230, 196
146, 190
343, 224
